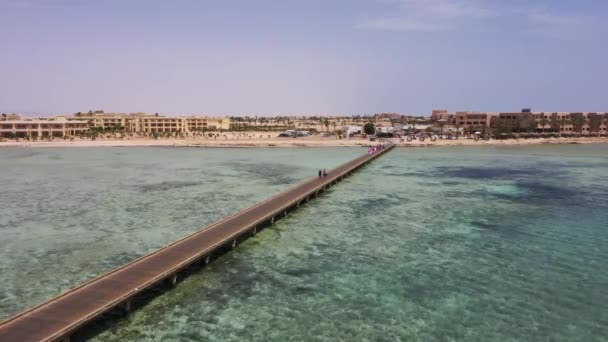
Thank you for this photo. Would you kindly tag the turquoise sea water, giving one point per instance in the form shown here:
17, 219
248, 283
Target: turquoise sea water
441, 244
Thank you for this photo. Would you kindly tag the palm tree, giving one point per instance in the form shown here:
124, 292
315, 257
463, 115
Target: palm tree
578, 121
441, 123
369, 128
554, 123
562, 123
326, 123
595, 123
543, 123
518, 124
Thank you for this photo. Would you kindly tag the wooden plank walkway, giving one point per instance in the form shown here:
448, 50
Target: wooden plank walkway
64, 314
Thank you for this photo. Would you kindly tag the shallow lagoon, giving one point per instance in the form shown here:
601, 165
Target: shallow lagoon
475, 244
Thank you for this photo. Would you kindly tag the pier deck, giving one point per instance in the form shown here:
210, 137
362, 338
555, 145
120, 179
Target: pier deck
61, 316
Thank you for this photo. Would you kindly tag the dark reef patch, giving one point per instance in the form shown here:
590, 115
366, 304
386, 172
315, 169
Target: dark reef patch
362, 207
487, 173
273, 173
502, 228
22, 155
167, 185
544, 191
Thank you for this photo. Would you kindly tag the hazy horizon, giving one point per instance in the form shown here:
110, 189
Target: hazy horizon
302, 57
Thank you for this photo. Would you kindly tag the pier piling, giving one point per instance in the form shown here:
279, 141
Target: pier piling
127, 305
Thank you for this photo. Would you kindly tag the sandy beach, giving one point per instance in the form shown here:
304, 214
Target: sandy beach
274, 141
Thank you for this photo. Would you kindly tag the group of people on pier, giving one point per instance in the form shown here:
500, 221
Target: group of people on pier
372, 149
376, 148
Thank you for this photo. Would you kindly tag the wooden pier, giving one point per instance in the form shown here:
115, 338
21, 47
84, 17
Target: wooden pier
60, 317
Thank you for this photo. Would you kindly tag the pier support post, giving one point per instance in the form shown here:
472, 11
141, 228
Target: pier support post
298, 205
65, 339
272, 220
233, 243
207, 259
255, 230
127, 305
285, 213
173, 280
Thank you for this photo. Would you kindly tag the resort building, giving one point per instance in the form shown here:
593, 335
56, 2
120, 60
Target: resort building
473, 120
518, 121
553, 122
582, 123
145, 123
60, 127
438, 115
13, 125
526, 121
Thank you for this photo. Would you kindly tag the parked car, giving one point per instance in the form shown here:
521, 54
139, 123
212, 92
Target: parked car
287, 134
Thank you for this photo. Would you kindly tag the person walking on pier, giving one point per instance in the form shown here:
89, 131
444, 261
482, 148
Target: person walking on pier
320, 173
324, 173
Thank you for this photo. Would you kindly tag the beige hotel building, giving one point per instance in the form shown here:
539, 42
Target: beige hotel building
59, 127
144, 123
62, 126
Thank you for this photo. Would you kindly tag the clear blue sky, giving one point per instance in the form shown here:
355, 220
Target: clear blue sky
310, 56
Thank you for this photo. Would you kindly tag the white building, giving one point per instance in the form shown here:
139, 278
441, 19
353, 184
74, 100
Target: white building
350, 130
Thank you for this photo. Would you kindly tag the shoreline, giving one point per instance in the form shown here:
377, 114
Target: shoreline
294, 143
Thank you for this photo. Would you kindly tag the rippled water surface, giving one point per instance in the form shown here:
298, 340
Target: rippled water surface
442, 244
